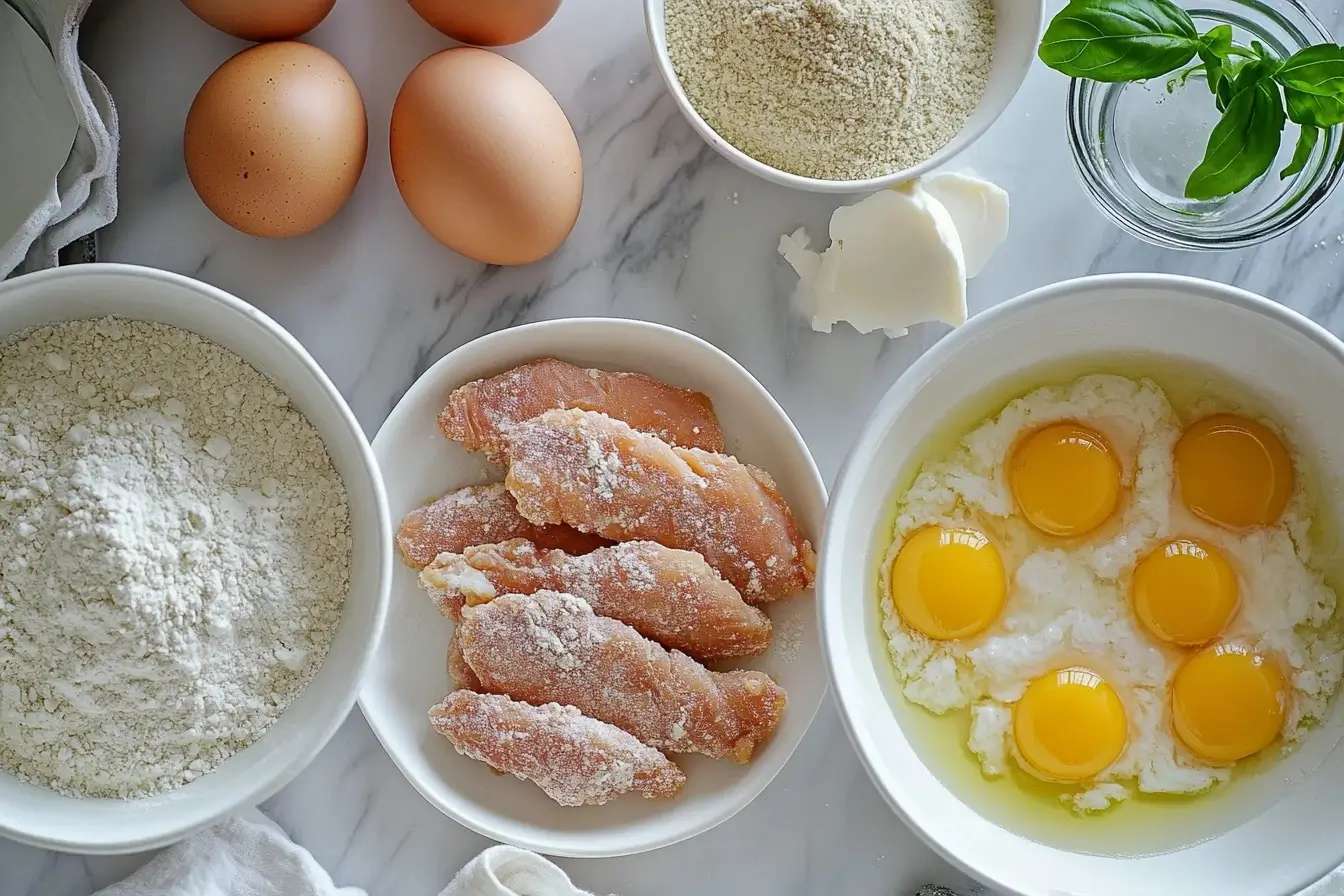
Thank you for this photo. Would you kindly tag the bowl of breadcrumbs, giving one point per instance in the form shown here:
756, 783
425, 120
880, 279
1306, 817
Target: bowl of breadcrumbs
842, 95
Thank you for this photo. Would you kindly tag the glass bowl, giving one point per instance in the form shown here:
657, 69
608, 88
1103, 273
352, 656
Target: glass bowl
1135, 144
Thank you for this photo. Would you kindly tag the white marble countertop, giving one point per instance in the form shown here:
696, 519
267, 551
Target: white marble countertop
669, 232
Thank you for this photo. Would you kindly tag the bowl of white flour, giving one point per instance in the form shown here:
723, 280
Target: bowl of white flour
195, 555
842, 95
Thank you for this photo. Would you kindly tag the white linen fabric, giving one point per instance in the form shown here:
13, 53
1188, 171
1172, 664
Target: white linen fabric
249, 855
85, 192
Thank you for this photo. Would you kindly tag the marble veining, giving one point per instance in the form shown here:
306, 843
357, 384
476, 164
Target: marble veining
669, 232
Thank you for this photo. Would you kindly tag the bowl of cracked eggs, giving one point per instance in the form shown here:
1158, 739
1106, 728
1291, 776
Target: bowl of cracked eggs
1078, 592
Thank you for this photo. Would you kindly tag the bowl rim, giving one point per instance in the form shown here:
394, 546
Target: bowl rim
279, 776
426, 383
829, 605
653, 26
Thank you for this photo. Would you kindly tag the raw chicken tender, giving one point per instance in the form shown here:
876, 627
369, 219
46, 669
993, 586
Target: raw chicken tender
670, 596
600, 475
550, 647
478, 514
576, 760
458, 670
480, 414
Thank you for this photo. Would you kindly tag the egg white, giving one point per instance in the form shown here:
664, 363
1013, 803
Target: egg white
1068, 604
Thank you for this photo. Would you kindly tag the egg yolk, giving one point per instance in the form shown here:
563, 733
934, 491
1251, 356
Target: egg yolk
1233, 472
1069, 725
1228, 702
948, 583
1185, 592
1065, 479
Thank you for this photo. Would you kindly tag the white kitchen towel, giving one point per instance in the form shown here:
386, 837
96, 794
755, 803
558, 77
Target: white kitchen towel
88, 182
85, 197
249, 855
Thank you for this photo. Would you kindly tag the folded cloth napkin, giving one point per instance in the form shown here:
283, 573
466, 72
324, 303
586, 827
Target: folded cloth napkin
249, 855
84, 196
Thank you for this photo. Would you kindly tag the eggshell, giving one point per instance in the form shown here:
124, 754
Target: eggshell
487, 23
484, 157
261, 19
276, 138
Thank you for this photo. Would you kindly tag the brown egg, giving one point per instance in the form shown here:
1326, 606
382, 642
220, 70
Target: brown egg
485, 158
261, 19
276, 138
487, 23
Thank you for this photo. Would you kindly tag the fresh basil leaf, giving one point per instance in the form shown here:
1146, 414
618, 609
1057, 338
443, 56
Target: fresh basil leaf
1267, 55
1238, 75
1243, 143
1317, 70
1217, 40
1250, 73
1317, 111
1229, 70
1214, 48
1306, 142
1119, 40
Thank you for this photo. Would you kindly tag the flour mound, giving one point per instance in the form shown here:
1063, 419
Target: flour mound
174, 556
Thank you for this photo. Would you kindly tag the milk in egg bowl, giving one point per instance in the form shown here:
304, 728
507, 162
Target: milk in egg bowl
1120, 595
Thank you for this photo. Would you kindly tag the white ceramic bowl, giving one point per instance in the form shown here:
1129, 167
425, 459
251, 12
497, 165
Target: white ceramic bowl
409, 676
1018, 30
1283, 358
44, 818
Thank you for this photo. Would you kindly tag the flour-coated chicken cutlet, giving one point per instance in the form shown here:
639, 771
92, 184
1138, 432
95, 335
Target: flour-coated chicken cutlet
673, 597
552, 648
576, 760
478, 514
480, 414
601, 476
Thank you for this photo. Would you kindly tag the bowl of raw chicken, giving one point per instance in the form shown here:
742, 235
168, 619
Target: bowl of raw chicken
602, 637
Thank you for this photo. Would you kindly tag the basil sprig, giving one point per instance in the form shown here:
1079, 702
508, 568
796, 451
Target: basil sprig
1257, 92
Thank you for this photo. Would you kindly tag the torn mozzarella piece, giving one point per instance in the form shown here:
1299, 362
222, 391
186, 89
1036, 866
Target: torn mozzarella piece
979, 209
901, 256
895, 259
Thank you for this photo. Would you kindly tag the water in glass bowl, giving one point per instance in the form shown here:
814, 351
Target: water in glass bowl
1160, 134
